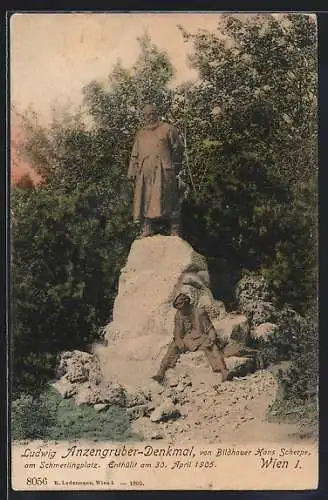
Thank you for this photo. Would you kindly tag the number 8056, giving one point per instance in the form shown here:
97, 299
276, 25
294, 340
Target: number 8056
36, 481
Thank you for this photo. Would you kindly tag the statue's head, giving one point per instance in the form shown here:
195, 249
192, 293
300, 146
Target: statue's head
150, 115
182, 301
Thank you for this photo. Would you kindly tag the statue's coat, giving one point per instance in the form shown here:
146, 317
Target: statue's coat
155, 163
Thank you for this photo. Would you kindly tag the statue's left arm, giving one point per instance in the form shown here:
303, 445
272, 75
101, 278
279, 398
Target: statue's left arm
177, 148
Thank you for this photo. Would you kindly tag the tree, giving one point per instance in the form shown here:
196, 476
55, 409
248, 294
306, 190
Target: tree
72, 233
251, 129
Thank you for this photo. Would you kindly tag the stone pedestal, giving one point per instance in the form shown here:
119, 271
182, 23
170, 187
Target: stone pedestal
157, 269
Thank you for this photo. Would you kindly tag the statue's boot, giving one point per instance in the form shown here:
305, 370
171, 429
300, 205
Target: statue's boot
160, 375
146, 229
175, 229
226, 375
159, 378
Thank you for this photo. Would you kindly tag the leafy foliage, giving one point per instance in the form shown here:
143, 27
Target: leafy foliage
296, 342
66, 258
252, 149
32, 418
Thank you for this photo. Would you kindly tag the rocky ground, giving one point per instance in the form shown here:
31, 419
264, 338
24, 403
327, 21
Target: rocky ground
192, 404
234, 411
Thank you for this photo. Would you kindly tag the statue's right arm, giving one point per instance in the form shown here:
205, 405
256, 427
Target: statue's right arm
133, 165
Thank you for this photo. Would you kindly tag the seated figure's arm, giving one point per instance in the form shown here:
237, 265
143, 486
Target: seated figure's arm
178, 331
208, 328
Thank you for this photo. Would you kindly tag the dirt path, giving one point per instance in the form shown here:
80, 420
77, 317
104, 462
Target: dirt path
233, 412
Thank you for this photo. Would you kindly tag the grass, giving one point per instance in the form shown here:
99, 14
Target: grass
66, 420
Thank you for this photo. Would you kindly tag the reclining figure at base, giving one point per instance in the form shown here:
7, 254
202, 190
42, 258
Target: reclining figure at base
193, 331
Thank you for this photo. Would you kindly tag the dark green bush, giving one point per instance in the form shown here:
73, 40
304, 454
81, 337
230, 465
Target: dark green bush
295, 341
68, 249
32, 418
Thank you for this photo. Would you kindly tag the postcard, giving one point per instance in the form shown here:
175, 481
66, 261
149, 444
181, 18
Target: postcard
164, 330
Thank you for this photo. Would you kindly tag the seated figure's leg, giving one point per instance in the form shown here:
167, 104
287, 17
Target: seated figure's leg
216, 360
169, 361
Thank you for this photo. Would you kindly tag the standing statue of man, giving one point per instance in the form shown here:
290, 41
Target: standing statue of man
155, 165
